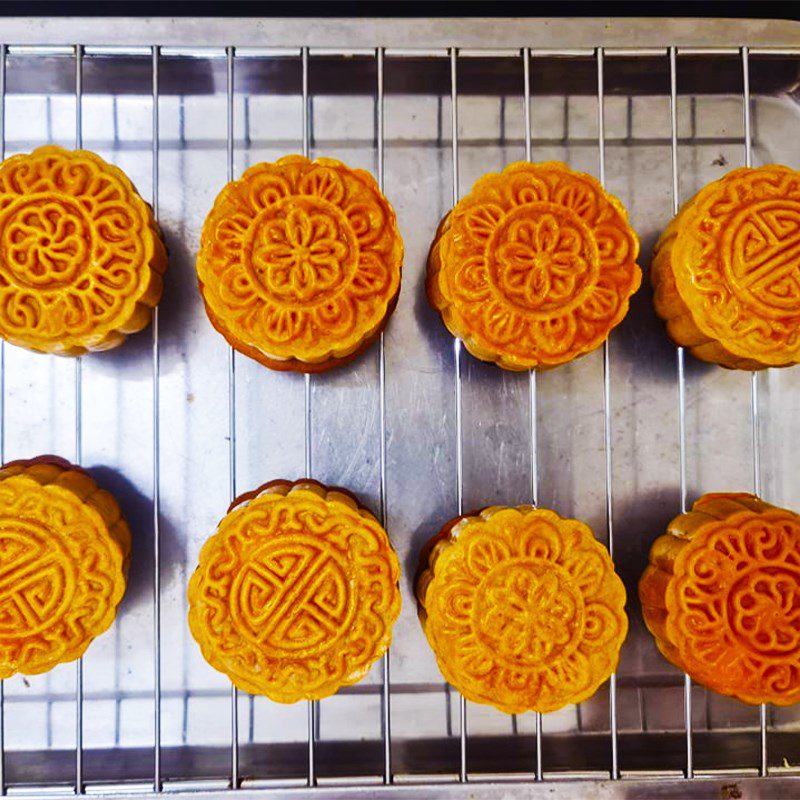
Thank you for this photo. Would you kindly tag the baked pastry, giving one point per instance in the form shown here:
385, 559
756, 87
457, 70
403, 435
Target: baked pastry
296, 593
522, 608
721, 596
534, 267
81, 258
64, 551
726, 271
299, 263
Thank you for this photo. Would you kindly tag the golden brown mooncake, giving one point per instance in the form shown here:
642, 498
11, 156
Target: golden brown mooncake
299, 264
64, 550
296, 593
726, 271
522, 608
534, 267
81, 258
721, 596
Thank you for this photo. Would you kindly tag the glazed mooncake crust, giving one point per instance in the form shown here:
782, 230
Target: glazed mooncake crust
721, 596
726, 271
81, 258
296, 593
522, 608
300, 263
534, 267
64, 551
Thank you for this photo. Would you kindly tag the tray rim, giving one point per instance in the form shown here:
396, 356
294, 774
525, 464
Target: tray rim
550, 33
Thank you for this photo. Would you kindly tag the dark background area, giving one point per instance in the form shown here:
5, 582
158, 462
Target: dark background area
412, 8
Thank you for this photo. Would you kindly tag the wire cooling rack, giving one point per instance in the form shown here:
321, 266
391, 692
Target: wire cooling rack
422, 104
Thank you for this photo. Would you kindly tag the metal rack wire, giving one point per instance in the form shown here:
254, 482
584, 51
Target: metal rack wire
382, 499
527, 57
79, 785
156, 359
3, 54
607, 434
533, 411
673, 114
748, 162
462, 703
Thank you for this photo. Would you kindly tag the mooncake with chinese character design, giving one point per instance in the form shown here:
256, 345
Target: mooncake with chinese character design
726, 271
296, 593
721, 596
64, 551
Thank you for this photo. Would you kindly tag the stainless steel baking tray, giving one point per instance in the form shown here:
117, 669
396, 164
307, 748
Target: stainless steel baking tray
174, 426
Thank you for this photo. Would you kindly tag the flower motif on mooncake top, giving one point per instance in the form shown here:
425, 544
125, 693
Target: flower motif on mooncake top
296, 593
81, 257
534, 267
726, 271
64, 551
522, 608
300, 263
721, 596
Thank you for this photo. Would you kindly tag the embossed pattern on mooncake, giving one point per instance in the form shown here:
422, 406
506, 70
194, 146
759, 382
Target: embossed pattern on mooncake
726, 271
81, 257
64, 551
296, 593
534, 267
522, 608
721, 596
300, 262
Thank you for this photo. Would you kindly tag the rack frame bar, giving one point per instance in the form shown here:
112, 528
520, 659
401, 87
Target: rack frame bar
453, 53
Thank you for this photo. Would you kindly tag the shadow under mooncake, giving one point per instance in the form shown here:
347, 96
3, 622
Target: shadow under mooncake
299, 263
64, 551
726, 271
534, 267
296, 593
721, 596
81, 257
522, 608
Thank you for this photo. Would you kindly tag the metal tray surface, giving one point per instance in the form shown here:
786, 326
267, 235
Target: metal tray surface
183, 453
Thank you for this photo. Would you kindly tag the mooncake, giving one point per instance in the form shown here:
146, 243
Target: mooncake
726, 271
534, 267
522, 608
721, 596
64, 551
81, 258
296, 593
299, 263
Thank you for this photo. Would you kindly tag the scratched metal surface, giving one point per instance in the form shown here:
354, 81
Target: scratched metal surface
117, 392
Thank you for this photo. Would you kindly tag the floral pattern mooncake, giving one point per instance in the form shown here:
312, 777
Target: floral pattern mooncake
300, 262
81, 256
534, 267
522, 608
